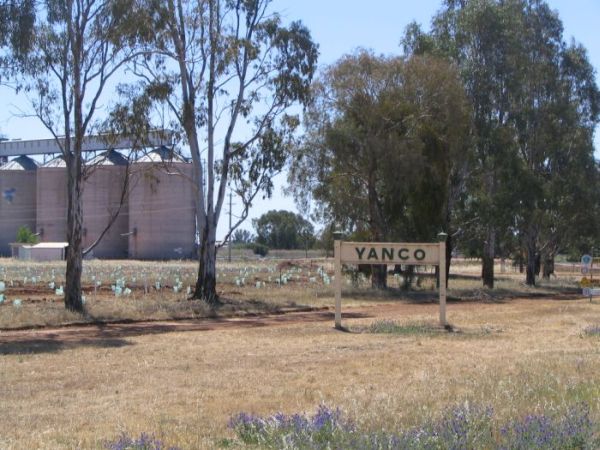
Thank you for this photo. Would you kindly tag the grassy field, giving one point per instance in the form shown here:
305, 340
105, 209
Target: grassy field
393, 370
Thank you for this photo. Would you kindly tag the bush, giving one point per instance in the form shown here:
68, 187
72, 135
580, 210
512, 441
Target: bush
144, 442
26, 236
463, 427
260, 249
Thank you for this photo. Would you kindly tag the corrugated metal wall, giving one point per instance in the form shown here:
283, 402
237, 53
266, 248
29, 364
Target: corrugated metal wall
17, 204
101, 199
157, 220
52, 202
161, 211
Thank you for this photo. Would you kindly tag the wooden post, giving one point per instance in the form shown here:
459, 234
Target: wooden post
442, 270
337, 247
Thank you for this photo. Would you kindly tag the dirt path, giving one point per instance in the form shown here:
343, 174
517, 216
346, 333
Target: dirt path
114, 334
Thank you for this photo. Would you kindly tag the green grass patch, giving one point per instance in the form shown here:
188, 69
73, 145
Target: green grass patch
411, 328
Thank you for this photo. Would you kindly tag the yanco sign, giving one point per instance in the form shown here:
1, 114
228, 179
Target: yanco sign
382, 253
432, 254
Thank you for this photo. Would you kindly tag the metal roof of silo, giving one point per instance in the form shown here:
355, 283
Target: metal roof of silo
109, 158
56, 162
162, 154
20, 163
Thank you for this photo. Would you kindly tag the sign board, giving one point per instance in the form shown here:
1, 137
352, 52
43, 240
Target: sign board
585, 282
585, 270
379, 253
431, 254
586, 260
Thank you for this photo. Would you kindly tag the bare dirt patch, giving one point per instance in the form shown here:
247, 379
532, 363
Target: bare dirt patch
114, 334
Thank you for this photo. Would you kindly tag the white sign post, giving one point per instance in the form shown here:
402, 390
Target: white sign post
431, 254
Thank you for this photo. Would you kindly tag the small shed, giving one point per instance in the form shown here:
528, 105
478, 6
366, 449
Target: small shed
44, 251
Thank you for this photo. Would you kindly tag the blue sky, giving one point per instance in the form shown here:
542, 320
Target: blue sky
340, 26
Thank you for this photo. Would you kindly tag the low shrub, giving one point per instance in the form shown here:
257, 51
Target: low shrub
260, 249
575, 430
295, 431
592, 330
26, 236
462, 427
144, 442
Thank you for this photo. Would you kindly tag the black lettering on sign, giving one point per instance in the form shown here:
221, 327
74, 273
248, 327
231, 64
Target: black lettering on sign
372, 254
387, 252
419, 255
360, 252
402, 254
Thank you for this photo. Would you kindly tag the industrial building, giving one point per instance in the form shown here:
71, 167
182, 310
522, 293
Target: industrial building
18, 180
148, 202
161, 207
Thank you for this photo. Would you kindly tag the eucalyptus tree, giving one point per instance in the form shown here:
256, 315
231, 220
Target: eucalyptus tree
71, 50
384, 148
228, 72
554, 110
284, 230
535, 107
478, 35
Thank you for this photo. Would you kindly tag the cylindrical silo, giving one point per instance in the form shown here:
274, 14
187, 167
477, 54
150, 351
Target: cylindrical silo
52, 201
105, 201
18, 200
161, 207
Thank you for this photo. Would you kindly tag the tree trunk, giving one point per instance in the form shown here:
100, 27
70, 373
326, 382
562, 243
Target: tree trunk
74, 166
379, 276
531, 260
206, 283
521, 262
449, 249
548, 267
487, 268
408, 275
73, 300
448, 261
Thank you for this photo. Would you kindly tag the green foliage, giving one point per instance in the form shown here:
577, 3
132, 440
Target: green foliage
385, 147
26, 236
259, 249
284, 230
241, 236
533, 187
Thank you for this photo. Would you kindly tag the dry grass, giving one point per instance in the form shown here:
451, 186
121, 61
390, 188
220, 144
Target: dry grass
518, 356
521, 356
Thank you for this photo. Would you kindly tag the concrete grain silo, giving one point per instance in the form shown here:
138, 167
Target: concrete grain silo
52, 201
18, 199
105, 198
161, 207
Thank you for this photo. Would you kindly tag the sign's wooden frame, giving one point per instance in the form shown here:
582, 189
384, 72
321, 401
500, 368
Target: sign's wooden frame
431, 254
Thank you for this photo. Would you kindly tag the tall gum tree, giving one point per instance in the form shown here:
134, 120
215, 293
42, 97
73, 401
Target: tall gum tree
71, 50
228, 72
535, 106
554, 111
477, 36
384, 150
